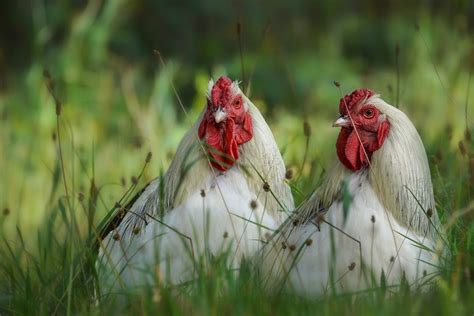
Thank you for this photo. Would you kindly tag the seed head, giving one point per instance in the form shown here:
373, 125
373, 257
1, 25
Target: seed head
283, 245
306, 128
148, 157
80, 196
54, 137
203, 193
266, 187
289, 174
351, 266
226, 234
372, 219
309, 242
429, 212
319, 220
392, 259
136, 230
253, 204
93, 189
462, 148
292, 247
116, 236
134, 180
58, 107
6, 211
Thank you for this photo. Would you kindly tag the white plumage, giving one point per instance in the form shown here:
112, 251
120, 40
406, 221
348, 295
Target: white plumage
381, 236
220, 221
196, 212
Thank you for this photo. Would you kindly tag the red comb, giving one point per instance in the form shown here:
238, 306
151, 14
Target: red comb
220, 93
354, 98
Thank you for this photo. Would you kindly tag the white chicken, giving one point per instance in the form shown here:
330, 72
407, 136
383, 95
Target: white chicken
224, 190
373, 220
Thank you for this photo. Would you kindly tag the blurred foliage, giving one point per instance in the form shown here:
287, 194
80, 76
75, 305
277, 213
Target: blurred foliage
119, 103
118, 99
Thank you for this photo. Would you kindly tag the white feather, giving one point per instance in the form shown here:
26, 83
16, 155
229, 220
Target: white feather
395, 189
137, 259
373, 246
210, 84
223, 220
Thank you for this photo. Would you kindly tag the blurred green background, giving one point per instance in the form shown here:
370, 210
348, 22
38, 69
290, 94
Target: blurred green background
118, 102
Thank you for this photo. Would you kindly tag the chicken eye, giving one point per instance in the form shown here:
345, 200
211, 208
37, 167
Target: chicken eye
369, 113
238, 103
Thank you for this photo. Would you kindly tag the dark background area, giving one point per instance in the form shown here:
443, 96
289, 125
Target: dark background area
203, 33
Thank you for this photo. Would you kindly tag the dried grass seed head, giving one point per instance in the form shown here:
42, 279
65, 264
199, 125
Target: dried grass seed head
253, 204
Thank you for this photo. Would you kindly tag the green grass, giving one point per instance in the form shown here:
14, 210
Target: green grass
114, 112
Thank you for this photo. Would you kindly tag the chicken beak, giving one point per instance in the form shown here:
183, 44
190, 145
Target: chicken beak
220, 115
342, 121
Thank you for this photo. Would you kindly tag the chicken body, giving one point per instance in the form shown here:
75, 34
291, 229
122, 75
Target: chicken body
373, 220
349, 253
202, 207
218, 220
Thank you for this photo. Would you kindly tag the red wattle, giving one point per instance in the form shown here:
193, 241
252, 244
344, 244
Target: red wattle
223, 140
244, 130
341, 147
350, 151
